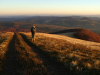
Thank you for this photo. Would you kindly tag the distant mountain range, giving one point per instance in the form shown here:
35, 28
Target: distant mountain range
52, 23
19, 18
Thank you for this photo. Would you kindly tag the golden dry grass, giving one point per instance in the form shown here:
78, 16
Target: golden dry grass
4, 37
29, 63
4, 40
88, 44
77, 58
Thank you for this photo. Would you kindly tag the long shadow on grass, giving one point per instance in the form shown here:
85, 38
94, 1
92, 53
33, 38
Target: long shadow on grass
10, 62
54, 67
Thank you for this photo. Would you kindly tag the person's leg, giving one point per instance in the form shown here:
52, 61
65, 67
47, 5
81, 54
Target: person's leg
32, 36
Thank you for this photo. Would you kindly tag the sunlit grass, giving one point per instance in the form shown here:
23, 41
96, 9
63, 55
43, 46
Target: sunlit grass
29, 63
4, 40
75, 57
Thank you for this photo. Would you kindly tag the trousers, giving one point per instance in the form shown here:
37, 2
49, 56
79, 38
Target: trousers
33, 38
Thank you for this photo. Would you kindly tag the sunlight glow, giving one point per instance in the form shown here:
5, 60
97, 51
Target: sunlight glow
44, 7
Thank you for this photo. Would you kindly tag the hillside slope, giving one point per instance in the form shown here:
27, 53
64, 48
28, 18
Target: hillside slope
88, 44
74, 55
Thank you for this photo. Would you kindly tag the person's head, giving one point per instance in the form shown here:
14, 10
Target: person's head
33, 26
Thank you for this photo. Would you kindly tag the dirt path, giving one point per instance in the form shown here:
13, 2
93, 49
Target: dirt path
10, 63
53, 68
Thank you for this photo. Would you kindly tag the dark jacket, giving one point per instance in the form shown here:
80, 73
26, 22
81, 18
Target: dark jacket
33, 30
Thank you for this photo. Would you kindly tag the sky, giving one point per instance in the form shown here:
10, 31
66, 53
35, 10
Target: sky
49, 7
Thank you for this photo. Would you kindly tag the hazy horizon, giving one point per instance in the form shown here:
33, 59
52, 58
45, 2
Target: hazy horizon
22, 16
49, 7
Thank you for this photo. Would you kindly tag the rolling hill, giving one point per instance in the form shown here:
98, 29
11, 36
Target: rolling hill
49, 23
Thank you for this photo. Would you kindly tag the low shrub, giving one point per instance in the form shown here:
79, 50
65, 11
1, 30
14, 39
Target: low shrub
85, 34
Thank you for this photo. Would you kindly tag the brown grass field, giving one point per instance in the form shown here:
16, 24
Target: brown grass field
4, 41
20, 58
49, 54
29, 64
77, 59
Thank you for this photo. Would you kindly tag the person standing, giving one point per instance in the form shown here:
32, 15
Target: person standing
33, 31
